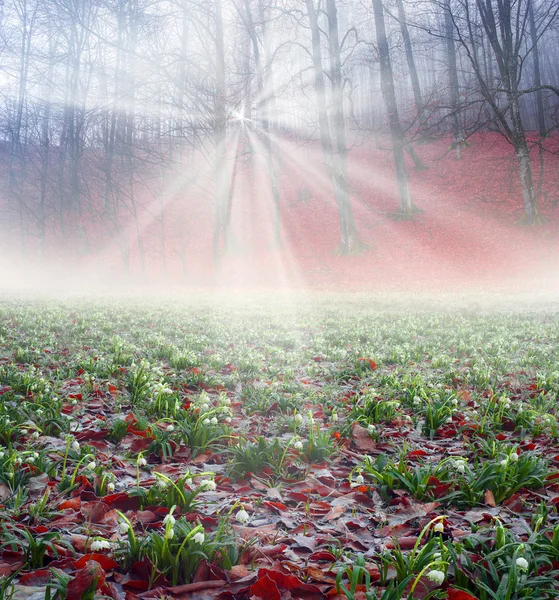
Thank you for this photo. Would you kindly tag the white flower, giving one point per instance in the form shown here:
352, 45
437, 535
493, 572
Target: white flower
206, 422
142, 462
199, 537
228, 419
504, 463
162, 483
438, 527
23, 431
30, 460
359, 480
35, 435
334, 417
298, 445
123, 527
100, 545
75, 446
436, 576
110, 487
225, 400
170, 428
522, 563
188, 481
169, 534
214, 421
371, 428
514, 457
298, 418
242, 516
208, 484
91, 466
169, 519
2, 454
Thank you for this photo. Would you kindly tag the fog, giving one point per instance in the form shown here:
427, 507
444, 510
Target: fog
281, 151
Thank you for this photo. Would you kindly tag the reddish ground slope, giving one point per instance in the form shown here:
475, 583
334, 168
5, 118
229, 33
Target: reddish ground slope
466, 236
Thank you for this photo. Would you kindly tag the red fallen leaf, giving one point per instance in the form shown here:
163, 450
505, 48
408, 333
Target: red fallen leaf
288, 582
490, 499
86, 581
464, 395
322, 555
361, 438
122, 502
454, 594
278, 506
417, 453
40, 577
94, 511
370, 363
109, 590
405, 542
265, 588
105, 561
73, 503
197, 586
501, 437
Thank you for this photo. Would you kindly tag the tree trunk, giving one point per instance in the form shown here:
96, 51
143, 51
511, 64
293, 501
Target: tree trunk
389, 95
458, 136
410, 59
335, 161
540, 113
222, 199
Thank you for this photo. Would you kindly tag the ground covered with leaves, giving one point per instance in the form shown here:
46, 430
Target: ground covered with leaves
303, 450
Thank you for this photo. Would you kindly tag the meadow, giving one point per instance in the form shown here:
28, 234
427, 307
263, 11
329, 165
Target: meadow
314, 447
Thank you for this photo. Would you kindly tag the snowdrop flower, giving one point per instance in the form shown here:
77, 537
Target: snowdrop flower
110, 487
522, 563
438, 527
208, 484
242, 516
298, 445
298, 418
228, 419
504, 463
91, 466
199, 537
97, 545
371, 428
35, 435
142, 462
23, 431
170, 428
17, 460
514, 457
75, 446
2, 454
225, 400
416, 400
214, 421
359, 480
169, 533
188, 481
162, 483
74, 402
169, 519
30, 460
334, 417
206, 422
436, 576
123, 527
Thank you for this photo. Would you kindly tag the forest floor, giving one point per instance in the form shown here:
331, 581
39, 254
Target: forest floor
338, 448
466, 236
